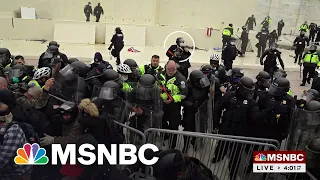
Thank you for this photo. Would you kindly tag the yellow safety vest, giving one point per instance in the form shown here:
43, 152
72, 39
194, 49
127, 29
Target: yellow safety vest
126, 87
172, 89
226, 31
311, 58
289, 92
33, 83
143, 69
304, 27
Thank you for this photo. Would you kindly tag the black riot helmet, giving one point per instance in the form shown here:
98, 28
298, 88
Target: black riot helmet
82, 67
246, 87
145, 89
314, 146
131, 63
53, 43
109, 90
279, 87
198, 79
232, 41
118, 30
206, 69
169, 166
68, 112
311, 94
53, 49
5, 57
313, 153
279, 73
235, 74
71, 60
312, 106
147, 80
111, 75
263, 79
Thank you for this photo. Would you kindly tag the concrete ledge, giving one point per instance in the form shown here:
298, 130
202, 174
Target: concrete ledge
79, 33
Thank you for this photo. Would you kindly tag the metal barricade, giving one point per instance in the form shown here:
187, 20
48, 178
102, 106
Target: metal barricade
227, 157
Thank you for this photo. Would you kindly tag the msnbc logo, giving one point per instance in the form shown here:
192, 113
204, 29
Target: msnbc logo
260, 157
31, 155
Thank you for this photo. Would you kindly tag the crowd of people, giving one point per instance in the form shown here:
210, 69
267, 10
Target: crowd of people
65, 101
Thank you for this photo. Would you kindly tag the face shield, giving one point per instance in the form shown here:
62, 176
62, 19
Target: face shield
3, 58
69, 70
246, 92
15, 73
312, 118
107, 93
307, 96
145, 93
203, 82
266, 83
276, 91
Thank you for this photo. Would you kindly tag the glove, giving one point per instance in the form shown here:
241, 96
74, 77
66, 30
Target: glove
46, 140
261, 63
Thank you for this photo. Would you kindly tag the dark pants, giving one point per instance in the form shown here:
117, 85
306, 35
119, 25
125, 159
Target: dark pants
171, 120
88, 17
298, 52
225, 40
184, 72
116, 53
279, 32
312, 36
244, 47
261, 48
227, 64
270, 70
308, 70
98, 17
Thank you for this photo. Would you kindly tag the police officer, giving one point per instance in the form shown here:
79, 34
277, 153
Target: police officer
270, 64
117, 43
235, 75
262, 37
310, 62
87, 11
227, 32
197, 95
304, 27
299, 44
280, 27
244, 40
251, 20
273, 38
229, 54
153, 68
313, 151
98, 10
262, 84
51, 53
217, 69
174, 90
135, 75
266, 23
316, 81
5, 57
125, 71
307, 96
180, 54
148, 105
277, 106
313, 31
240, 110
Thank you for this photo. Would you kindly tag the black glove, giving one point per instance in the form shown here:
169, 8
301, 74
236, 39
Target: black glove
261, 63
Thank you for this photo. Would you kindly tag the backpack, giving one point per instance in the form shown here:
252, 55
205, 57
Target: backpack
28, 130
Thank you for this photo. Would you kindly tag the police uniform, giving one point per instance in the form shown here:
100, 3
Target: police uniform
177, 88
262, 38
226, 35
304, 27
270, 64
148, 69
310, 62
300, 43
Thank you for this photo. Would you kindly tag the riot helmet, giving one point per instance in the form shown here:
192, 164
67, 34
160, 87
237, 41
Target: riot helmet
71, 60
118, 30
311, 94
133, 66
68, 112
180, 41
53, 49
198, 79
214, 60
70, 73
273, 46
312, 106
111, 75
313, 154
5, 57
235, 74
246, 87
82, 67
232, 41
109, 90
314, 146
279, 87
206, 69
312, 115
279, 73
146, 88
169, 166
54, 43
263, 79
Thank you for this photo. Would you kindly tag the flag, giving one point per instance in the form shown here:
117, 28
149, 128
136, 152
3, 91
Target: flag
209, 32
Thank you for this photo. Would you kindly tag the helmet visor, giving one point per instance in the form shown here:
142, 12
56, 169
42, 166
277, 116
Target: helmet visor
3, 58
246, 92
275, 91
15, 73
69, 70
107, 93
204, 82
145, 92
307, 96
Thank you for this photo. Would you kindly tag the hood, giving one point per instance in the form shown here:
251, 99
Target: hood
98, 57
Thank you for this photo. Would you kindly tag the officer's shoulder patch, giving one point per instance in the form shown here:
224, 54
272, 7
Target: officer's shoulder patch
183, 84
245, 102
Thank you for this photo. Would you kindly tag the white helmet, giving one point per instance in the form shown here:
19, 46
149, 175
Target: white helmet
124, 69
42, 72
215, 57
